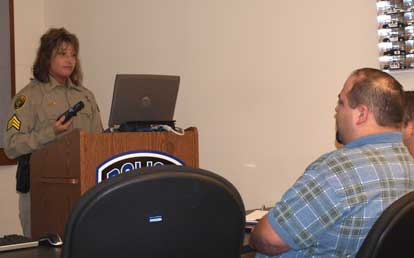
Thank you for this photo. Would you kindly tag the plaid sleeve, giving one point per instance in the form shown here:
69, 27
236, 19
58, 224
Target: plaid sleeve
306, 210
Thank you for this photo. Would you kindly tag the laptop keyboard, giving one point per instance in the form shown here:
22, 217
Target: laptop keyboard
15, 242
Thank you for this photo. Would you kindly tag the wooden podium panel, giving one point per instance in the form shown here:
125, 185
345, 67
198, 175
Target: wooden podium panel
65, 169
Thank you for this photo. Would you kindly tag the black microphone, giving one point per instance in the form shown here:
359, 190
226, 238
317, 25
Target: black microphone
71, 111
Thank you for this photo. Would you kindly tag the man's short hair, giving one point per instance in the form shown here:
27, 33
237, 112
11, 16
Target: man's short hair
381, 92
408, 107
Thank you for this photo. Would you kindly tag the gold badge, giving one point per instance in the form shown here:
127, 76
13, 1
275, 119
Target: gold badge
19, 102
14, 122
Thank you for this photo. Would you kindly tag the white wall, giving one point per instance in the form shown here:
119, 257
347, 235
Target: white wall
259, 78
406, 78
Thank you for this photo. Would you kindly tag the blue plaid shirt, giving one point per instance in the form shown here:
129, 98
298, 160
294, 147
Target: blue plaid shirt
332, 206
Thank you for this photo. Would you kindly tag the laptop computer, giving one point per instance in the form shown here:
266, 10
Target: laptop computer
143, 98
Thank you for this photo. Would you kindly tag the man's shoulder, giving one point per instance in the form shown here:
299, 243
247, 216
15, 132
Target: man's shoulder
338, 156
345, 157
322, 160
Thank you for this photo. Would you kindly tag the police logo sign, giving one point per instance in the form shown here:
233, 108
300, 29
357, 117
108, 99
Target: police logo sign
128, 161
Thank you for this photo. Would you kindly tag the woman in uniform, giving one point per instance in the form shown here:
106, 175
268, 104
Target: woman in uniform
34, 117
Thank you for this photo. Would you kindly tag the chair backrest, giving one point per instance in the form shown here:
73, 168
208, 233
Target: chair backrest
392, 234
164, 211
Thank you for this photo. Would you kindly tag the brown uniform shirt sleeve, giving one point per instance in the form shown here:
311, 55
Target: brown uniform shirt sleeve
20, 136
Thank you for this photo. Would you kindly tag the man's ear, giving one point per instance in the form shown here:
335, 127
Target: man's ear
361, 113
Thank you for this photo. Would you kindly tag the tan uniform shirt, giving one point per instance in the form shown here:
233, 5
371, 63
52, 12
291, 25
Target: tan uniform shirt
37, 106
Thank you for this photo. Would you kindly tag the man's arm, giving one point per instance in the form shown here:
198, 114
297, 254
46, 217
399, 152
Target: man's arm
266, 240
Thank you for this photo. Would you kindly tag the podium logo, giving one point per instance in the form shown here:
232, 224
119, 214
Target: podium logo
129, 161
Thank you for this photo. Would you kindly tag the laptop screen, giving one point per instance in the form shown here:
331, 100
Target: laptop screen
140, 97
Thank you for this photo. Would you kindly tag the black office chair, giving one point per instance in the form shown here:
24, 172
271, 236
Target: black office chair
392, 233
164, 211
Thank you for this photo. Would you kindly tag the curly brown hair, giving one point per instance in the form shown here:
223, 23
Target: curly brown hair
381, 92
50, 41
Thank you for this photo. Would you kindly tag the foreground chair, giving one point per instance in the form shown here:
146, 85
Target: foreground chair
167, 211
392, 233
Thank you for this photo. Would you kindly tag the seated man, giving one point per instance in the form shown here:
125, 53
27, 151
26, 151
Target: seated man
408, 123
332, 206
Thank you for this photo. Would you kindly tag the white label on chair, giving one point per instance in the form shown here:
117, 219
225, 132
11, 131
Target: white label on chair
132, 160
155, 219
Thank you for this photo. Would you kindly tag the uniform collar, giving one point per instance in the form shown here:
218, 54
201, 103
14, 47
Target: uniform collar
53, 84
375, 139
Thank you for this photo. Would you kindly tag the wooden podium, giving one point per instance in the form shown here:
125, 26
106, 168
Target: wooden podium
65, 169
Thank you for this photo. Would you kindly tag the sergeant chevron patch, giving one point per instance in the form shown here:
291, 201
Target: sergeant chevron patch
14, 122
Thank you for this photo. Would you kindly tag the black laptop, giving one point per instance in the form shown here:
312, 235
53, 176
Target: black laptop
143, 99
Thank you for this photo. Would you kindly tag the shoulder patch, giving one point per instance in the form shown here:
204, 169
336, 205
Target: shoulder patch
19, 102
14, 122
